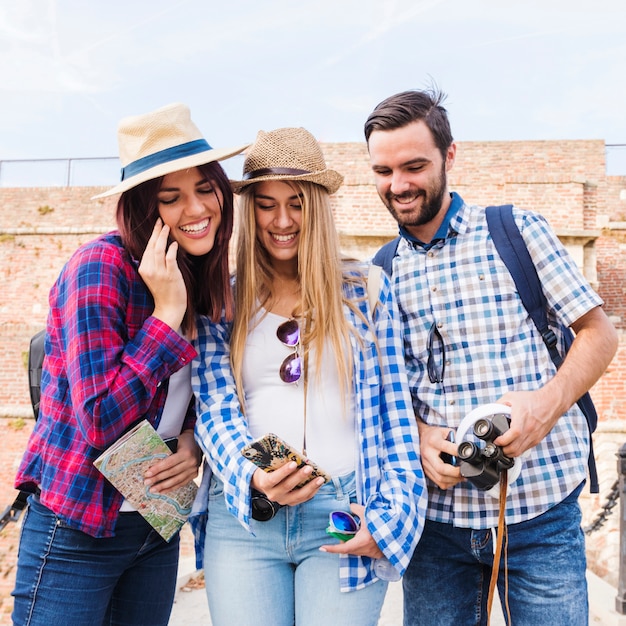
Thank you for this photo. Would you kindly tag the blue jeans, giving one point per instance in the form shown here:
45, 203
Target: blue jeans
67, 578
279, 576
447, 581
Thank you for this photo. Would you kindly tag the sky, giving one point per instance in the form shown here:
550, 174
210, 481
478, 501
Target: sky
513, 70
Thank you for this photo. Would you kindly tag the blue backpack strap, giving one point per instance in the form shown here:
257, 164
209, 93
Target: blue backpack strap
512, 249
384, 256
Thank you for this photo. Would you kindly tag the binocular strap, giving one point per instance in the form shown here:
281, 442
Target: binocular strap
501, 544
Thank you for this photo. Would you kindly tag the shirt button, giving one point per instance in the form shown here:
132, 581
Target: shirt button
451, 402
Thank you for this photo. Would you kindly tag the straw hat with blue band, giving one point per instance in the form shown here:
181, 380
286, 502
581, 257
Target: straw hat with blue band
161, 142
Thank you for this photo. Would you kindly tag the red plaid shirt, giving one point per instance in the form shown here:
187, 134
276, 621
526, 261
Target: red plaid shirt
106, 367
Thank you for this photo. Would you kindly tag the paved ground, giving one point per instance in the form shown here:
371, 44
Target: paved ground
190, 606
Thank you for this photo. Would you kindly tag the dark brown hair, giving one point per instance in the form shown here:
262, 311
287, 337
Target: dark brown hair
406, 107
206, 277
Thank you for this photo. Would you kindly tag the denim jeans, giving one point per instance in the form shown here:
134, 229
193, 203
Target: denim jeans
279, 576
67, 578
447, 581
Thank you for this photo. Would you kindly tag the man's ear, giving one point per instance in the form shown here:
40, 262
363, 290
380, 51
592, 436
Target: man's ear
450, 156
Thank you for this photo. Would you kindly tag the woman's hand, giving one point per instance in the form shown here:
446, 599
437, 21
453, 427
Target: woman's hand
177, 469
281, 485
362, 544
159, 270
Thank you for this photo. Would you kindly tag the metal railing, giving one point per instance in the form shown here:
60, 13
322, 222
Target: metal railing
79, 172
105, 171
620, 599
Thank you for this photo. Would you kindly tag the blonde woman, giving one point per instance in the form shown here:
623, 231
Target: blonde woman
307, 360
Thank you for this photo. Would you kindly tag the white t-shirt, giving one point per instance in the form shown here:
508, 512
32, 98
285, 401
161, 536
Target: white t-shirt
278, 407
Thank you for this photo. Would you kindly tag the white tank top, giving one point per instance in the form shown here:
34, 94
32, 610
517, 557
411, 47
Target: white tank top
278, 407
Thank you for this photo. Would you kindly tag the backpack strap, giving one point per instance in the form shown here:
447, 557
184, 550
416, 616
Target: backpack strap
384, 256
512, 249
35, 360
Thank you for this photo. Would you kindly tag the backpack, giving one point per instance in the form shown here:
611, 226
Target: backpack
35, 360
514, 253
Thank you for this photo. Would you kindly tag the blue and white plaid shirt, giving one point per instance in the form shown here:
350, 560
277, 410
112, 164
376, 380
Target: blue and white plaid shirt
491, 347
390, 481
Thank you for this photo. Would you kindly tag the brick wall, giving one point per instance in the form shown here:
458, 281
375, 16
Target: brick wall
563, 180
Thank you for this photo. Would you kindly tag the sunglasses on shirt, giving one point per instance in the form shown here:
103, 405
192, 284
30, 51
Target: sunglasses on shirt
288, 334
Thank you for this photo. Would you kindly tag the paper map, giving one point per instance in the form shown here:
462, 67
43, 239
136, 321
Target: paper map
124, 464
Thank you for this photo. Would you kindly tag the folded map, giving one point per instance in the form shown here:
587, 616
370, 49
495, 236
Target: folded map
124, 465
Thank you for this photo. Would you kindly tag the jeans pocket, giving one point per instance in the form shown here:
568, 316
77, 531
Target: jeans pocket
216, 489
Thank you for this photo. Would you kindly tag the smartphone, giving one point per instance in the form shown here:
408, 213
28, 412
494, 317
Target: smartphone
270, 452
172, 443
444, 456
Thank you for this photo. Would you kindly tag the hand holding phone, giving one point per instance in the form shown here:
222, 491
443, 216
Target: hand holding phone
270, 452
160, 272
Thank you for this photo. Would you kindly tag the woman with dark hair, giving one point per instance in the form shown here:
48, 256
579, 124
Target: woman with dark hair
118, 351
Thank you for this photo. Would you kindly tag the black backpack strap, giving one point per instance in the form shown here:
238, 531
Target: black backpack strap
512, 249
384, 256
12, 513
35, 361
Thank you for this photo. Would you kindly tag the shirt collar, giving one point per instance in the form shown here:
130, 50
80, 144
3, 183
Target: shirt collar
442, 231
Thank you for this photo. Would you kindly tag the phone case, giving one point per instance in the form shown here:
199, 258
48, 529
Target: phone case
270, 452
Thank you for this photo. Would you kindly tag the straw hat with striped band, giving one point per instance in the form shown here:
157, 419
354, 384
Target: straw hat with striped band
287, 154
159, 143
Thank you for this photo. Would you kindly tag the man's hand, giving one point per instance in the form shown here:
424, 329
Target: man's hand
534, 413
532, 418
432, 443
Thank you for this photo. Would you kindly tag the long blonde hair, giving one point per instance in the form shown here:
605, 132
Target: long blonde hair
321, 274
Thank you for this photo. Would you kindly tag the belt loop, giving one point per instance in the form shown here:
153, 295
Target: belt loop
338, 487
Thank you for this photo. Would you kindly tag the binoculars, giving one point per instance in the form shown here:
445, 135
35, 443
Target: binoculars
482, 463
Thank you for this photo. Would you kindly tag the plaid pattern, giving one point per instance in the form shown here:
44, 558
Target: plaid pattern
491, 347
390, 481
106, 359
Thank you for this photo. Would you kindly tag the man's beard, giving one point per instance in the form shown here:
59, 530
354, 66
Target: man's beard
431, 203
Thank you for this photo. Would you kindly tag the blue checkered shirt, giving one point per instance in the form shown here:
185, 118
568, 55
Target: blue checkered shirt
390, 481
491, 347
